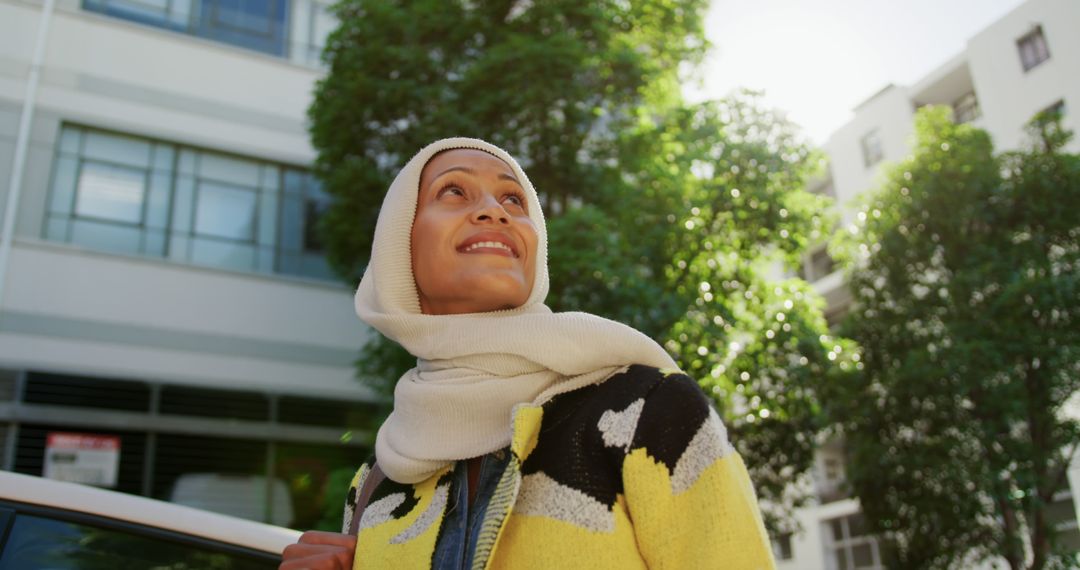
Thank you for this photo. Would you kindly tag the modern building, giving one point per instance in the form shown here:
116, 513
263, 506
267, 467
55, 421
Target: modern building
1027, 61
164, 299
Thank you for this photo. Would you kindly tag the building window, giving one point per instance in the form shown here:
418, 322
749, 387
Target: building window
966, 108
850, 546
260, 25
1033, 49
830, 479
1061, 516
1057, 109
823, 186
303, 204
871, 148
781, 545
130, 195
312, 22
817, 265
219, 450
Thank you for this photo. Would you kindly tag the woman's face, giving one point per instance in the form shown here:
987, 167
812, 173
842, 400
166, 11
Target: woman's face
473, 243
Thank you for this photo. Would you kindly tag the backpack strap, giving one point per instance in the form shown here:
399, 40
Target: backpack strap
375, 476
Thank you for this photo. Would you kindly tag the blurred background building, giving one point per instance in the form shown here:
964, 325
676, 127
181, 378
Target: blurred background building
164, 285
1026, 62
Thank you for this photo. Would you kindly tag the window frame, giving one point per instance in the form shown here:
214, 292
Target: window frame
872, 154
204, 20
966, 108
1032, 48
847, 544
171, 190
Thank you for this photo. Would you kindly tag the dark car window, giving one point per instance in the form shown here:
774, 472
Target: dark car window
37, 542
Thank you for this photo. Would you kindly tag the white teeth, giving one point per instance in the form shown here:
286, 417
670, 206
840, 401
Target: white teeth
495, 244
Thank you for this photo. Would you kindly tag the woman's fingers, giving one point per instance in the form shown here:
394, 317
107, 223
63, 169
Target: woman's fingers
323, 537
319, 550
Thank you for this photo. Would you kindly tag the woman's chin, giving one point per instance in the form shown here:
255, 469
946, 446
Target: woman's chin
479, 296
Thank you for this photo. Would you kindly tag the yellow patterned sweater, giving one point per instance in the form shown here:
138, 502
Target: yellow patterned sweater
635, 472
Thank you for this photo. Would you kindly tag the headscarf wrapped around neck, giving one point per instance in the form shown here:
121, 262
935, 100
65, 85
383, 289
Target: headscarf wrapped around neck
472, 369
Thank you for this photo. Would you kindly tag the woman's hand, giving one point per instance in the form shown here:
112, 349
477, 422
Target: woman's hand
319, 550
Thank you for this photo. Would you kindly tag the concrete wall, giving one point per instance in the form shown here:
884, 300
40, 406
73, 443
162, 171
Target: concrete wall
889, 113
1009, 96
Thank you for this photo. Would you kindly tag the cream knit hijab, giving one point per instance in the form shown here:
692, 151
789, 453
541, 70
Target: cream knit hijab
473, 369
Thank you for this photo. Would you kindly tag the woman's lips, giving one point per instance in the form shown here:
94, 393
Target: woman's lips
489, 242
494, 247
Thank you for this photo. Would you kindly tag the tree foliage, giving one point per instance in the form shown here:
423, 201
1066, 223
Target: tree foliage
663, 215
965, 270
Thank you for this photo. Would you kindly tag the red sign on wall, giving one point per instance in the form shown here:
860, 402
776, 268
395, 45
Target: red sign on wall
86, 458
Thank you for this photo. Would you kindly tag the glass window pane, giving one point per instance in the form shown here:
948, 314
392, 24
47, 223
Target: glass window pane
106, 236
271, 177
194, 470
265, 263
154, 242
179, 246
118, 149
225, 254
292, 224
315, 265
249, 15
63, 188
1068, 540
163, 157
315, 189
268, 219
225, 211
57, 228
187, 161
253, 24
840, 555
862, 556
40, 542
837, 529
313, 211
110, 192
294, 181
228, 169
157, 208
305, 265
181, 12
857, 526
181, 215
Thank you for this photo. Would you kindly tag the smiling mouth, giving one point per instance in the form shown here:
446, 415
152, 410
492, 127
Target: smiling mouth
493, 247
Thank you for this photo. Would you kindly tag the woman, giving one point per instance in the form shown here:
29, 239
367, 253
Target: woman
523, 438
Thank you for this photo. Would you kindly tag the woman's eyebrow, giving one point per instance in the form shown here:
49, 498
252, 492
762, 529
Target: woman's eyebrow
510, 177
466, 169
454, 168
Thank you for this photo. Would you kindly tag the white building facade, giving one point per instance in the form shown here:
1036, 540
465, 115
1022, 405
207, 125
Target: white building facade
1027, 61
164, 285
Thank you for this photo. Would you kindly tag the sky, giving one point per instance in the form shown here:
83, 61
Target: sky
818, 59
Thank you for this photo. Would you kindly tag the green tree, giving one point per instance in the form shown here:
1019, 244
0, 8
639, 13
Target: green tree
711, 198
661, 214
539, 79
964, 269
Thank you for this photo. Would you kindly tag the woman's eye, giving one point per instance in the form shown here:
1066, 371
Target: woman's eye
451, 190
516, 200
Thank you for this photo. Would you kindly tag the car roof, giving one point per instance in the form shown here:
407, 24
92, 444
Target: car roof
141, 510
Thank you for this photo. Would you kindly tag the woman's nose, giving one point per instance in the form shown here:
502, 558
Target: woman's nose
489, 210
